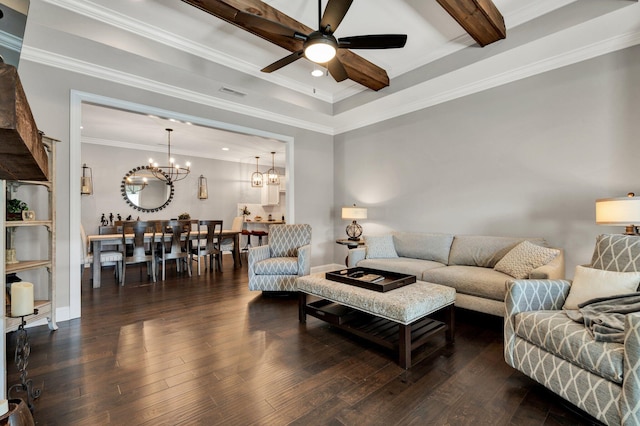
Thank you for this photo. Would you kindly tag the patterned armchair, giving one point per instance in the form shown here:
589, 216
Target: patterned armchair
601, 378
275, 267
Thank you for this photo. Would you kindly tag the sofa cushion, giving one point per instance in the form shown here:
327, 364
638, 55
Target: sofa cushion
524, 258
589, 283
380, 247
402, 265
617, 253
476, 250
428, 246
472, 280
277, 266
559, 335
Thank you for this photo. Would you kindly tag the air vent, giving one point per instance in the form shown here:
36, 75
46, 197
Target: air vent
232, 92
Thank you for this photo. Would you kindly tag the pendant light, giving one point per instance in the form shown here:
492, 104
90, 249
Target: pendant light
257, 178
171, 172
272, 173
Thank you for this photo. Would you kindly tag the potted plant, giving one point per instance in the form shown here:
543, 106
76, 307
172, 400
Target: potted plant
184, 216
15, 208
245, 212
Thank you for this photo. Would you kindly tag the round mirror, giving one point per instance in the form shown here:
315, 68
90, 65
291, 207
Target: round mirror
145, 191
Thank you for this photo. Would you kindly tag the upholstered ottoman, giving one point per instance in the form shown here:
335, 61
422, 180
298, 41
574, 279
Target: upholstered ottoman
396, 319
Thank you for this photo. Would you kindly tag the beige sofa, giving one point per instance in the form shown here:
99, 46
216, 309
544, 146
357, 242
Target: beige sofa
464, 262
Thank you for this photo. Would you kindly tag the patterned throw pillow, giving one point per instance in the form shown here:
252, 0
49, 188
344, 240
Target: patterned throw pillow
380, 247
524, 258
589, 283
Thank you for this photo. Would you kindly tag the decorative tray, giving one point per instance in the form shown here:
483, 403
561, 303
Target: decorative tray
371, 279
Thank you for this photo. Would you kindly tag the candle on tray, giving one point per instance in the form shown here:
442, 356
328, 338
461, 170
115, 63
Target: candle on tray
21, 299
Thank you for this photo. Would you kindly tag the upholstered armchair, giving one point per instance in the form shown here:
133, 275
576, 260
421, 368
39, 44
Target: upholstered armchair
599, 376
275, 267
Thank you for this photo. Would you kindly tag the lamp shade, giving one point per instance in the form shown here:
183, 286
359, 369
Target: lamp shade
354, 213
618, 211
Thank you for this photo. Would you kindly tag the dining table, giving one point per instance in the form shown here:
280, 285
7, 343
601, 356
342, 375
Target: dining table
96, 242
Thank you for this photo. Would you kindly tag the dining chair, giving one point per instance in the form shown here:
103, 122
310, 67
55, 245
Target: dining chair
107, 257
142, 249
210, 245
228, 242
175, 244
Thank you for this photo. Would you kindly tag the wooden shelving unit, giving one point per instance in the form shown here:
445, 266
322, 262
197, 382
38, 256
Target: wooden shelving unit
46, 305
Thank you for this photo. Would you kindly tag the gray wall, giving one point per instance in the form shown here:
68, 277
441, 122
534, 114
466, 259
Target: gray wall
526, 159
228, 185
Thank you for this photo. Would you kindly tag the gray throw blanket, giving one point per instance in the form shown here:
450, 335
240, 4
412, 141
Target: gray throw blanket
604, 317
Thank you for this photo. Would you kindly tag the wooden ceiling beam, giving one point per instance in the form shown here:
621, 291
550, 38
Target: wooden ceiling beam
480, 18
358, 69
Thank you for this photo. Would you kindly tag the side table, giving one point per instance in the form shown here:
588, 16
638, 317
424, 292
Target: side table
351, 244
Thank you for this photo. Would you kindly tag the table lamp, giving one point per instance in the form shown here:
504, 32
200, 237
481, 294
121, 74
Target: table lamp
619, 211
354, 230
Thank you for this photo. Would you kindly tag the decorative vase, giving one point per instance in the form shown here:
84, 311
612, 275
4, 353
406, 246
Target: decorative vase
18, 414
10, 256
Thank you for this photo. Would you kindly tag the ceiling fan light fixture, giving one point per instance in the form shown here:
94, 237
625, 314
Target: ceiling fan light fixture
317, 71
320, 48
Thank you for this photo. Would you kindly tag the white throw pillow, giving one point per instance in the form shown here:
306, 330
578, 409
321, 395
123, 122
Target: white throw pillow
524, 258
380, 247
589, 283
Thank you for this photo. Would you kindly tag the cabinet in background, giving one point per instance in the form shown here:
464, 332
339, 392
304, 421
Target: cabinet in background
270, 195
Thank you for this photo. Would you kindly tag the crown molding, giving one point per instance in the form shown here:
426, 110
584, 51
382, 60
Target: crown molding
437, 91
93, 70
137, 27
10, 41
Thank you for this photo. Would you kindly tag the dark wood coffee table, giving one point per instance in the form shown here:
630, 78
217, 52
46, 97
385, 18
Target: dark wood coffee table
397, 319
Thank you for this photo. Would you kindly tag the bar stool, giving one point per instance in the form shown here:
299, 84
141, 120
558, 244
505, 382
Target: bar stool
246, 232
260, 234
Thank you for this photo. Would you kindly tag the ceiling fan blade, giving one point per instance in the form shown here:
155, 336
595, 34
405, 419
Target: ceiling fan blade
376, 41
284, 61
258, 22
336, 69
333, 14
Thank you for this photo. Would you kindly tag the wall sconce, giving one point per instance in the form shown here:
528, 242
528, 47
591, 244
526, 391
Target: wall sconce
86, 181
203, 190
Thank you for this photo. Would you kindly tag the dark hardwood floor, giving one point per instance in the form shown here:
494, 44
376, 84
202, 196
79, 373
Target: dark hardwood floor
205, 351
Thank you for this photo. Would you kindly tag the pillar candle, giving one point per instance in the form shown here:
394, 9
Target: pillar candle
21, 299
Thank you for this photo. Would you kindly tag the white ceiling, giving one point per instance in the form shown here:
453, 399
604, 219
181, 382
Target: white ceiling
119, 128
440, 61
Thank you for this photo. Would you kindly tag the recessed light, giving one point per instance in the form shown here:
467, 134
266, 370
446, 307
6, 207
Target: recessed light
317, 72
225, 149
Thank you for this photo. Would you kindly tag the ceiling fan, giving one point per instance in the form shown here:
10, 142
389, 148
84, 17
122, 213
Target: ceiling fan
320, 46
480, 18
